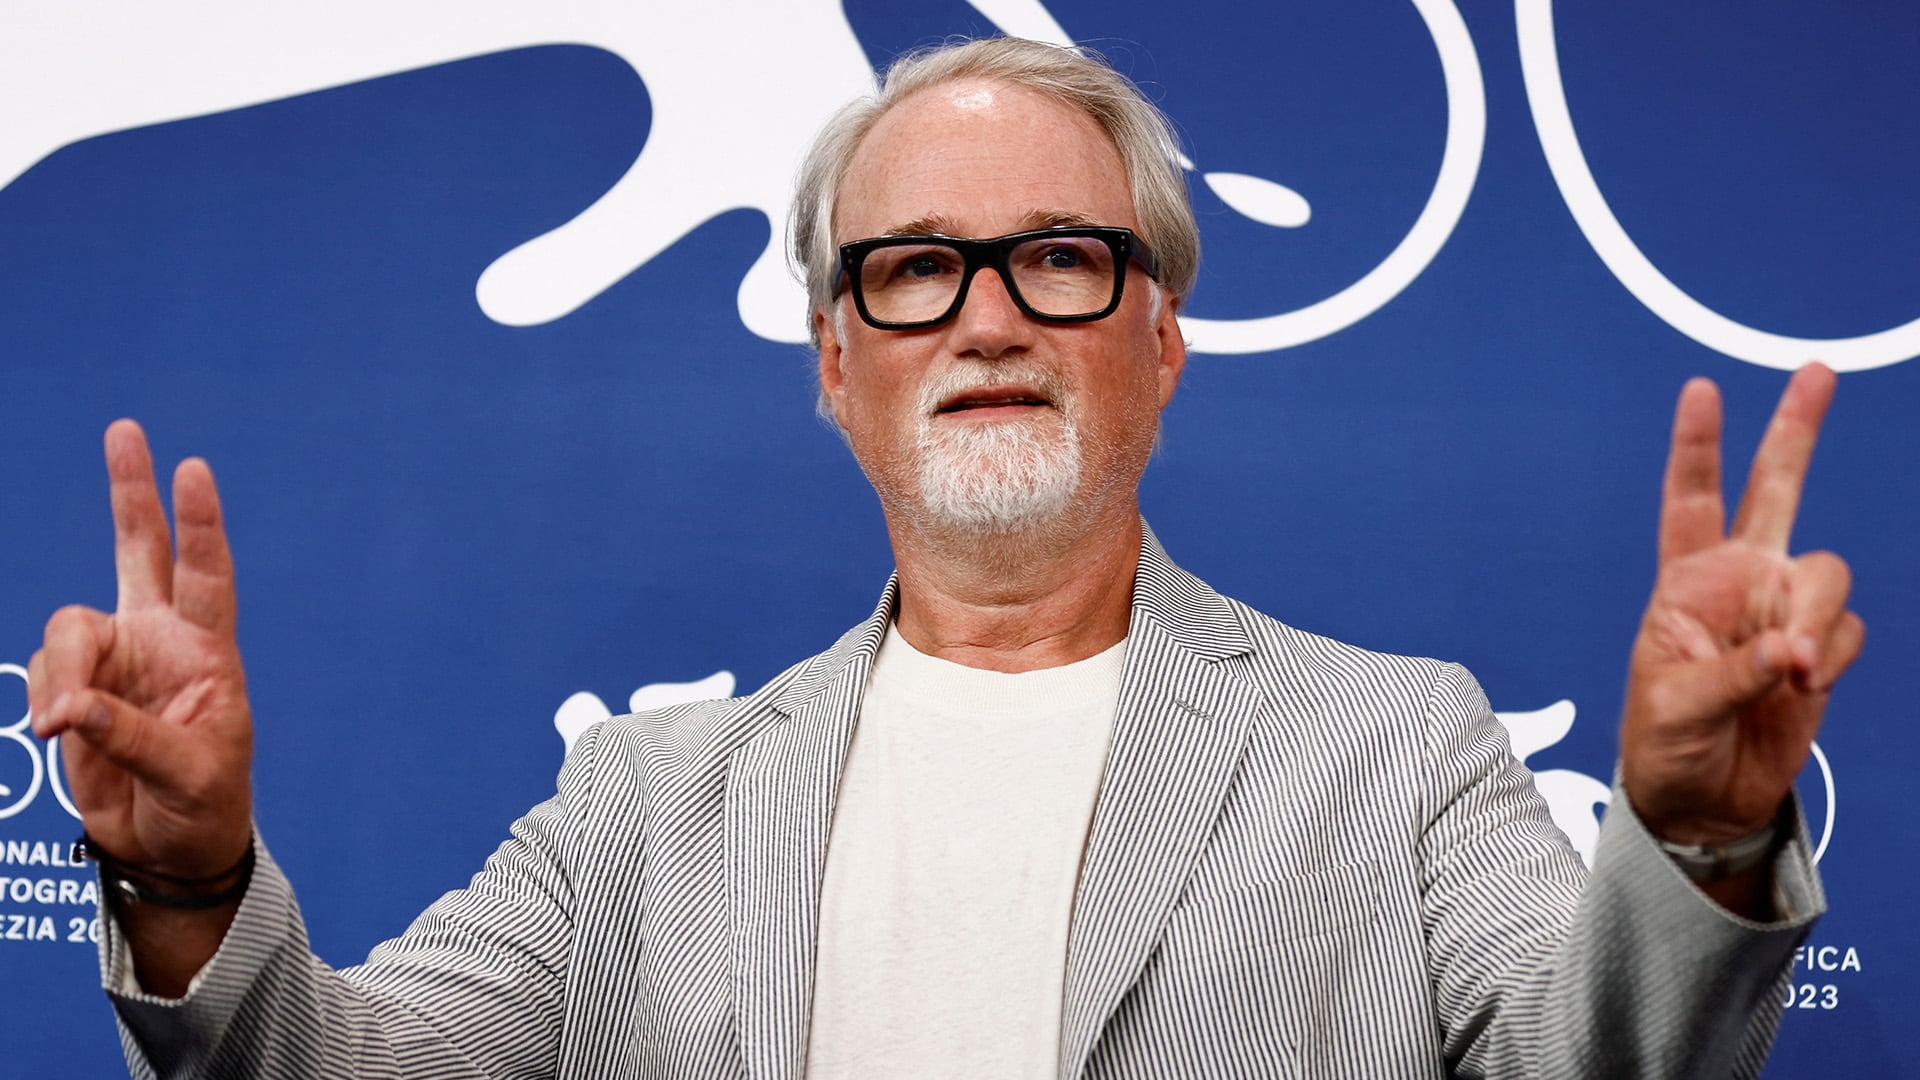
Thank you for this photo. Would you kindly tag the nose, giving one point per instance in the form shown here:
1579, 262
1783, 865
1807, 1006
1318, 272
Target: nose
989, 323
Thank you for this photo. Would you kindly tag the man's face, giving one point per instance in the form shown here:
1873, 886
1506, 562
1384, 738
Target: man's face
993, 421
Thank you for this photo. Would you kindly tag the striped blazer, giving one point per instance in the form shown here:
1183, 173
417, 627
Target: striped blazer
1306, 860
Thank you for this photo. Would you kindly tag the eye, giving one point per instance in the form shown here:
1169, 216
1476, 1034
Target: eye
1070, 256
920, 266
1063, 257
909, 264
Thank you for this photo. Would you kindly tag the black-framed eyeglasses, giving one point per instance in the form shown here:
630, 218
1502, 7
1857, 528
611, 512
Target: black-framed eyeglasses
1065, 275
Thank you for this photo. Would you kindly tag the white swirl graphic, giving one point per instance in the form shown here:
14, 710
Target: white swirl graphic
1826, 774
1546, 94
1459, 168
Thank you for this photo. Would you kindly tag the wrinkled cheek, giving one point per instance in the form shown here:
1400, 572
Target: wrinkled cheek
886, 458
1132, 429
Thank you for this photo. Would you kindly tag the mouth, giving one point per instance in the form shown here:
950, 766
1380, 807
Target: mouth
991, 401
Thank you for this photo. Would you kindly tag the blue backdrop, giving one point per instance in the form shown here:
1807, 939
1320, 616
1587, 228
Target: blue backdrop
469, 480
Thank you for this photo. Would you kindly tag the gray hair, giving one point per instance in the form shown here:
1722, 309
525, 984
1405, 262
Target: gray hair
1074, 76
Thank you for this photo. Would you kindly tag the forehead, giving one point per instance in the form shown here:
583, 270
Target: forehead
979, 158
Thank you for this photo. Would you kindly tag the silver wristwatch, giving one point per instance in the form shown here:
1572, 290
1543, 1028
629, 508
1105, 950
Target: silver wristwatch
1711, 862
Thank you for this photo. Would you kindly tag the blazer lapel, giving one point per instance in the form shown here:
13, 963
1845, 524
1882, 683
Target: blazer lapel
780, 792
1178, 736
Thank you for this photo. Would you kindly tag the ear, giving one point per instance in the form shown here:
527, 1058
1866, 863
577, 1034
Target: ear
832, 377
1173, 348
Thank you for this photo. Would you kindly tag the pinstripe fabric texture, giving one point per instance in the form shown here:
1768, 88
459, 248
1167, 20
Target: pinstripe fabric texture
1307, 860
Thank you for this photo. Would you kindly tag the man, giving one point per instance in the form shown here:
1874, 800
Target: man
1057, 808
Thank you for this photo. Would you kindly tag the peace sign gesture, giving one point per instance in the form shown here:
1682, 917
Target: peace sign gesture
152, 696
1741, 643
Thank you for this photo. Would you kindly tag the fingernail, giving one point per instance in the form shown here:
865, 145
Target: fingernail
59, 706
1765, 663
94, 720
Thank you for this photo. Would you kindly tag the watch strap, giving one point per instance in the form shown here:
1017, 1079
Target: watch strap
1712, 862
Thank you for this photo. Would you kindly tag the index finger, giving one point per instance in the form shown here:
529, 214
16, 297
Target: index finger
1692, 513
1772, 498
142, 552
203, 578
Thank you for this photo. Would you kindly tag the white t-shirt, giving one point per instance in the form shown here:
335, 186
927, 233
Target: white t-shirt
957, 838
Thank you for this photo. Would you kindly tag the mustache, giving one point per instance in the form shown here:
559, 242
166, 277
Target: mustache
969, 377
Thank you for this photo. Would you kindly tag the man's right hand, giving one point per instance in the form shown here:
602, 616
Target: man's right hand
154, 704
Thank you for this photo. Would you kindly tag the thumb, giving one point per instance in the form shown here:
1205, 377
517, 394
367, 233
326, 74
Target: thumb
1754, 668
130, 737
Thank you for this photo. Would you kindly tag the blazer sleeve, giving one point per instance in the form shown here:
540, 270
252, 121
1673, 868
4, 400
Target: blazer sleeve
474, 988
1636, 973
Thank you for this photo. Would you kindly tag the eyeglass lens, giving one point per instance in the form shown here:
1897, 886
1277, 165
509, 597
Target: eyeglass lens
1056, 275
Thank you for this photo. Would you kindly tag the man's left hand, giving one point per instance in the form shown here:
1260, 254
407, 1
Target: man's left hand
1741, 643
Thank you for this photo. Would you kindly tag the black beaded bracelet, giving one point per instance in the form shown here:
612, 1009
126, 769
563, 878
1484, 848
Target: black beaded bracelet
123, 878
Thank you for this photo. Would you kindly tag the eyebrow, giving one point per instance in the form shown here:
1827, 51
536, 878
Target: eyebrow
944, 225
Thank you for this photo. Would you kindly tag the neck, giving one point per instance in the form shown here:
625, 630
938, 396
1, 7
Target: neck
1019, 601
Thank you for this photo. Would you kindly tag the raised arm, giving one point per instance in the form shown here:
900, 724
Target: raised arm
153, 702
158, 743
1741, 642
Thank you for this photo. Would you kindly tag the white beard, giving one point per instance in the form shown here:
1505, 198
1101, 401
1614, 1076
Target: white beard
998, 477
